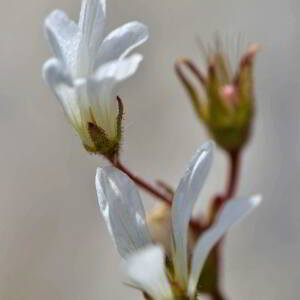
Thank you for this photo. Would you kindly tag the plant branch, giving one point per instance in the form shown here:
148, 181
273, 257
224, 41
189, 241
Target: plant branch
234, 160
143, 184
231, 187
233, 177
167, 198
217, 296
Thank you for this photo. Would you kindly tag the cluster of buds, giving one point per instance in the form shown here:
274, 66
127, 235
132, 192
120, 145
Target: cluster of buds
227, 105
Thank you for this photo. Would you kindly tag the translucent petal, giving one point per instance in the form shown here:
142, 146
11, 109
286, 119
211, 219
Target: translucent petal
84, 105
59, 80
91, 24
186, 195
122, 209
63, 36
120, 42
119, 69
102, 91
102, 97
145, 270
232, 212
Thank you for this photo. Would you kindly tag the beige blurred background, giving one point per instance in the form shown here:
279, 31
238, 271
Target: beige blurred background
53, 242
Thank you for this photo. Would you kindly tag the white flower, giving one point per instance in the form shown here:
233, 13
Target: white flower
144, 264
87, 67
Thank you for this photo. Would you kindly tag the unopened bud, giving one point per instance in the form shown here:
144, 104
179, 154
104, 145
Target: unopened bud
159, 222
227, 105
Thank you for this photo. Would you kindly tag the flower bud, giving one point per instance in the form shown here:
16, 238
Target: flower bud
227, 104
159, 222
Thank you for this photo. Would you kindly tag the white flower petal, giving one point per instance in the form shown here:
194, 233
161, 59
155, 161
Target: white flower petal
119, 69
63, 36
232, 212
186, 195
103, 103
120, 42
145, 270
84, 105
59, 80
54, 73
102, 91
91, 24
122, 209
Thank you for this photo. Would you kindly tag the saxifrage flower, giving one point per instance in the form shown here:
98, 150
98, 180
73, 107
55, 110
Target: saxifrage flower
86, 70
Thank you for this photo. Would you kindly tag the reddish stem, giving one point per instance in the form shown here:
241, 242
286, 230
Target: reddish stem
143, 184
234, 171
195, 70
217, 296
234, 158
195, 224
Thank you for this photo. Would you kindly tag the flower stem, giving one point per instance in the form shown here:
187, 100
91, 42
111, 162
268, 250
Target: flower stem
233, 177
217, 296
143, 184
166, 198
234, 159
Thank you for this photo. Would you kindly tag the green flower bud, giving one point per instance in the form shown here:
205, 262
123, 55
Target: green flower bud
227, 105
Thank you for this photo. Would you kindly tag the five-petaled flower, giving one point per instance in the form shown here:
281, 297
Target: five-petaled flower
146, 266
86, 70
226, 105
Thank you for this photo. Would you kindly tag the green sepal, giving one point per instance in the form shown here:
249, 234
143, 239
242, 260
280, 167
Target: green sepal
209, 281
197, 103
102, 144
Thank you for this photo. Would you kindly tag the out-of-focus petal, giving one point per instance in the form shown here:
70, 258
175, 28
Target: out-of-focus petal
186, 195
160, 227
145, 270
122, 209
120, 42
232, 212
63, 36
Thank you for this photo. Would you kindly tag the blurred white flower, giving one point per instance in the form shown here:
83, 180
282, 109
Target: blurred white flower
87, 68
145, 265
